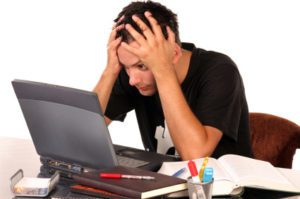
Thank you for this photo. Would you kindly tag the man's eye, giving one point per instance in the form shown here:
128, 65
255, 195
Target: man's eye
142, 67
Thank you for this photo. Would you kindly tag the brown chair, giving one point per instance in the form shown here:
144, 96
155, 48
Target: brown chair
274, 139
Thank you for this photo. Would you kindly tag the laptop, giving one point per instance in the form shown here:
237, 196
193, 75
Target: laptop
69, 132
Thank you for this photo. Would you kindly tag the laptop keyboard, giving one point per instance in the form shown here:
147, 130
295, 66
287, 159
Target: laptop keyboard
130, 162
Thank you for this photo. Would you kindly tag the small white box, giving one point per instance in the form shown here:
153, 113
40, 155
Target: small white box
27, 186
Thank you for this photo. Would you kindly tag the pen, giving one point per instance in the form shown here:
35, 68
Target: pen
208, 174
179, 172
193, 170
202, 168
119, 176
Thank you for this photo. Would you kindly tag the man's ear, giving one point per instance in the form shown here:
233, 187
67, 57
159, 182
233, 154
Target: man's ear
177, 53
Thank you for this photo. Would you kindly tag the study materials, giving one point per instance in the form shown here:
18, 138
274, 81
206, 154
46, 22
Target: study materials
179, 172
89, 191
233, 172
208, 174
119, 176
31, 186
69, 132
162, 184
204, 163
193, 171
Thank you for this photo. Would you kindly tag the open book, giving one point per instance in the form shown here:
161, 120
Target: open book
233, 172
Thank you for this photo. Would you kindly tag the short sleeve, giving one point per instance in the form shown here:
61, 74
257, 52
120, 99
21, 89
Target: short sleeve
219, 103
121, 100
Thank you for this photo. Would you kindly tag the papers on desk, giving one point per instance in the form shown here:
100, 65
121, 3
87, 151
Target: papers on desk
233, 172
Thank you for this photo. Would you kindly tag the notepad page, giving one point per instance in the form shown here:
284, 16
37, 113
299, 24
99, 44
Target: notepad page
255, 173
169, 168
291, 175
223, 184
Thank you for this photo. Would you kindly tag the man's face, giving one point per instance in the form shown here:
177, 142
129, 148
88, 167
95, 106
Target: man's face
139, 75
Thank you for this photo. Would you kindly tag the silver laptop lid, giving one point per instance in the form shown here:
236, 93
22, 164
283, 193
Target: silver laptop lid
66, 124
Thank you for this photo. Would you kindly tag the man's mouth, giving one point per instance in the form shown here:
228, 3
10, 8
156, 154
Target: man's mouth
143, 88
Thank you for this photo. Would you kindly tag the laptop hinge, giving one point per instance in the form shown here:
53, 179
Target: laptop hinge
63, 166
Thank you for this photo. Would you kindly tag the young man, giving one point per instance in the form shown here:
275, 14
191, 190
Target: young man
183, 96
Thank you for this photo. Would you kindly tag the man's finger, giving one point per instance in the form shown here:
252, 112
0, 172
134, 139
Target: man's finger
130, 48
116, 23
154, 24
113, 33
171, 35
112, 36
114, 44
144, 28
135, 34
121, 18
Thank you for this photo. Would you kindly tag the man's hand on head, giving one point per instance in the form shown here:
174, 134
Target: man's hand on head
113, 64
154, 50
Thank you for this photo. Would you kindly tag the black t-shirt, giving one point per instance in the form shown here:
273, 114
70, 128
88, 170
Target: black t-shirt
214, 91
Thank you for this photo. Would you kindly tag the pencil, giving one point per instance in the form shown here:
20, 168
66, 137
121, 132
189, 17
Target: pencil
179, 172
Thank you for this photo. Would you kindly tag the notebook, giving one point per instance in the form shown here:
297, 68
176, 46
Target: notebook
133, 188
69, 132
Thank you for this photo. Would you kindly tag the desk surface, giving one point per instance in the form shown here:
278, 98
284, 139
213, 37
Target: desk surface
20, 154
16, 154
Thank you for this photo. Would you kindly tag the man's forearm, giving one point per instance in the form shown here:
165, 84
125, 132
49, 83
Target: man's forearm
189, 136
104, 87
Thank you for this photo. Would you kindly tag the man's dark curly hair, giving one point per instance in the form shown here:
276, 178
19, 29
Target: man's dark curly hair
164, 16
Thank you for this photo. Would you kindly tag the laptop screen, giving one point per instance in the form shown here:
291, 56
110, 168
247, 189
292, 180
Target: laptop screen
66, 124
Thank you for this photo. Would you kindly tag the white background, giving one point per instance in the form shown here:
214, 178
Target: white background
64, 42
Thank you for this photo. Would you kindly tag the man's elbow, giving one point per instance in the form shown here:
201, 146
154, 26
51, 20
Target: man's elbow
107, 120
191, 153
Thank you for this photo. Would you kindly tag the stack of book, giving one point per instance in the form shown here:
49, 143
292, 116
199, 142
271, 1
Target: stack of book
156, 185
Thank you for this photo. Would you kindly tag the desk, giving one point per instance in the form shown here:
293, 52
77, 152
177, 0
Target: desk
16, 154
19, 153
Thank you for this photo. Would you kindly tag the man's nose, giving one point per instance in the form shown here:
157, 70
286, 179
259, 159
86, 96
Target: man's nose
134, 77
